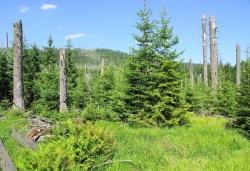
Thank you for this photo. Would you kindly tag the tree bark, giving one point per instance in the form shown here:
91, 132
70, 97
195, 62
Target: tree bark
63, 82
18, 100
238, 64
204, 49
102, 66
191, 74
7, 41
6, 164
213, 53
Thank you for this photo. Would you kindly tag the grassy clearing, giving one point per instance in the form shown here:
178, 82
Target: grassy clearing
206, 145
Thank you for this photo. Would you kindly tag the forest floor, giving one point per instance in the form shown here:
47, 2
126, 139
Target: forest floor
205, 145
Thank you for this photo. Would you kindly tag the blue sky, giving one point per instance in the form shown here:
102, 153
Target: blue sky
110, 23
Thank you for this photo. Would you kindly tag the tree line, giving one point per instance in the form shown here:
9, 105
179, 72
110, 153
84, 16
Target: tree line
152, 88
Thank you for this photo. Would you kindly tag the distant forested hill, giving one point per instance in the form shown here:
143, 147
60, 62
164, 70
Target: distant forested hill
94, 56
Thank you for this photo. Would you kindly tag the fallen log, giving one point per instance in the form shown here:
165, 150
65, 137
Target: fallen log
39, 127
6, 164
23, 140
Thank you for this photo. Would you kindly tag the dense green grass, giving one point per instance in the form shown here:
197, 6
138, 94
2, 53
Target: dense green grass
206, 145
13, 119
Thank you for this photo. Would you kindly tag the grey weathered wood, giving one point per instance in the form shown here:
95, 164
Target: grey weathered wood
20, 138
191, 74
6, 164
204, 49
7, 41
213, 53
18, 100
63, 81
238, 64
102, 66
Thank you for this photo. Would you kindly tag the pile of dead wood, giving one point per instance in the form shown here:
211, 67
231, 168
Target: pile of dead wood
38, 129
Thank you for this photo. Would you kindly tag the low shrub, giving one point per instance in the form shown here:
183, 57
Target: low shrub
73, 146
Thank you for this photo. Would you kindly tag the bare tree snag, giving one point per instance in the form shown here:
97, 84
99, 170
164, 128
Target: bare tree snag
238, 64
204, 49
191, 74
213, 53
7, 41
102, 66
199, 78
6, 164
18, 100
63, 82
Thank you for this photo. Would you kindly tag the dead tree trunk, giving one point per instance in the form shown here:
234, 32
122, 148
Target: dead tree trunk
238, 64
7, 41
191, 74
213, 52
18, 101
204, 49
102, 66
63, 82
6, 164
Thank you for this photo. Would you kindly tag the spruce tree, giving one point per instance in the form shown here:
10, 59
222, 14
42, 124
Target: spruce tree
46, 84
139, 66
5, 81
31, 69
242, 119
50, 57
71, 72
153, 75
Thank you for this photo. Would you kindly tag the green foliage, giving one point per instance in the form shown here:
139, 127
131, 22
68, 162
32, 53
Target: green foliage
94, 112
242, 119
71, 74
200, 99
79, 95
50, 57
153, 75
226, 99
85, 56
46, 83
5, 76
31, 63
46, 86
75, 146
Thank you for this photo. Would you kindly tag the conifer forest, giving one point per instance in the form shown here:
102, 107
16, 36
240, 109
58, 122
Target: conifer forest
70, 108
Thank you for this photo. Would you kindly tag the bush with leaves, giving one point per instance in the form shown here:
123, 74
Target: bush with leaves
74, 146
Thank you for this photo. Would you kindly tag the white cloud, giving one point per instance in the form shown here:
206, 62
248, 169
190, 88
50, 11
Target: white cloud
24, 9
48, 6
74, 36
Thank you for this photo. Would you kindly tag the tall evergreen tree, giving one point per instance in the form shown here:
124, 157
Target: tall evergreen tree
4, 77
71, 72
139, 66
46, 84
5, 80
50, 56
31, 69
153, 75
242, 119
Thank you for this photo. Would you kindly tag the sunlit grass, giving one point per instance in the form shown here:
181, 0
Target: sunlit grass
206, 145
